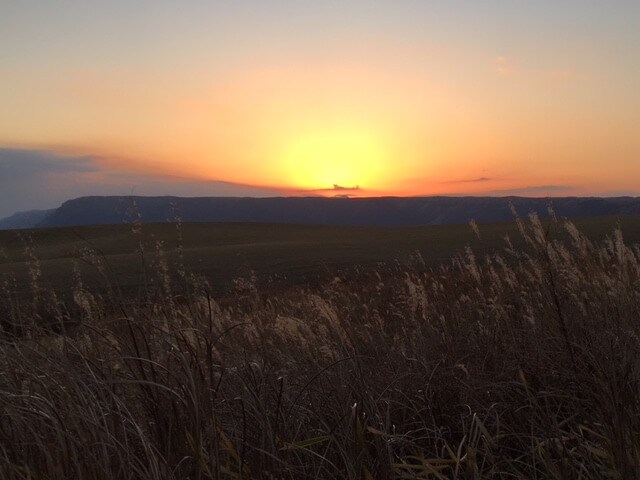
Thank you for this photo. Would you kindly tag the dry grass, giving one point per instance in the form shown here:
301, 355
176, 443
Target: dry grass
523, 365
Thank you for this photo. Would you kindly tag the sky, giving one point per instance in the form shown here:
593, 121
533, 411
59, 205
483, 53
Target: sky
284, 97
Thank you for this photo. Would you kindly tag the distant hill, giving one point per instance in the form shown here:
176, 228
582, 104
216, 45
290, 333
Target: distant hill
27, 219
384, 211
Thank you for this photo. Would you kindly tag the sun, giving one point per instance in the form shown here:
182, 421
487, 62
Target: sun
323, 159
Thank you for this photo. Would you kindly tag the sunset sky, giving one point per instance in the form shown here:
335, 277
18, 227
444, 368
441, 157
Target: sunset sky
265, 98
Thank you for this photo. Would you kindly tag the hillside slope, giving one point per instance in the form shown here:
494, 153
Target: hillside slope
385, 211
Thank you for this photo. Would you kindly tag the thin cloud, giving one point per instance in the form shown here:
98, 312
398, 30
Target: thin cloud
340, 187
504, 66
342, 190
533, 190
16, 164
335, 188
470, 180
37, 179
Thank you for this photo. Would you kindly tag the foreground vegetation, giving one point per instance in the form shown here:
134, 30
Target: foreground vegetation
523, 364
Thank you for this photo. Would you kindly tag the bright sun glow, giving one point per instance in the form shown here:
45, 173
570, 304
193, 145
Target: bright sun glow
347, 157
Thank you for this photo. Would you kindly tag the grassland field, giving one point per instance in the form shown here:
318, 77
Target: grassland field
277, 255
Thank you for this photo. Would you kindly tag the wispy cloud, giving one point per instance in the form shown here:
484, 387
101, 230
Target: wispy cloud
338, 190
340, 187
470, 180
536, 190
36, 179
39, 179
16, 164
504, 66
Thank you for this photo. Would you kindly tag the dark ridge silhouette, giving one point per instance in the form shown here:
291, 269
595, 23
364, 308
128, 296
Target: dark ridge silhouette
27, 219
382, 211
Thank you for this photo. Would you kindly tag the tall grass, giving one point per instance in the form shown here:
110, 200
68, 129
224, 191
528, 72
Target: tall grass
518, 365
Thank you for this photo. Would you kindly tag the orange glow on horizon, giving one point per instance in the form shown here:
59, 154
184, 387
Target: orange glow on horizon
305, 127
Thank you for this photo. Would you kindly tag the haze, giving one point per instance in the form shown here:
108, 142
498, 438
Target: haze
317, 98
